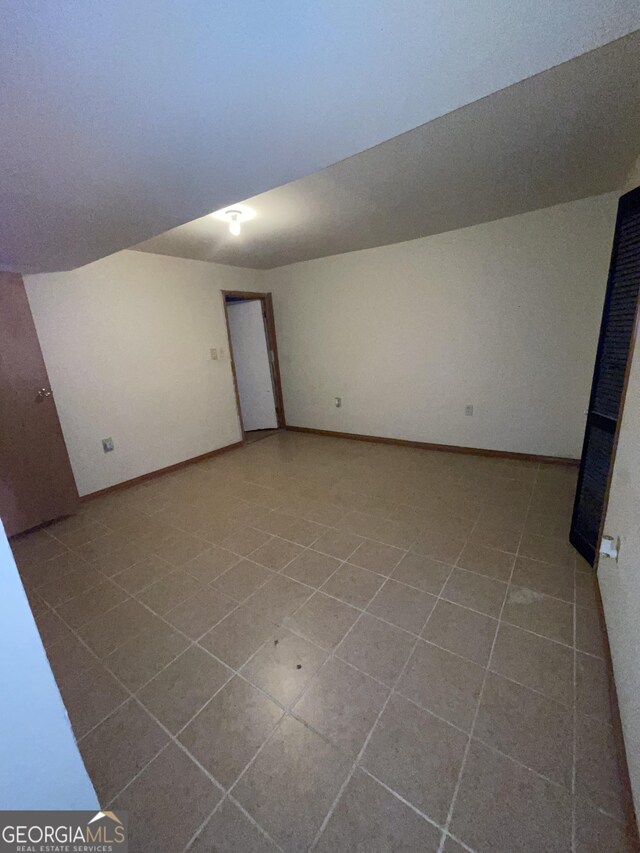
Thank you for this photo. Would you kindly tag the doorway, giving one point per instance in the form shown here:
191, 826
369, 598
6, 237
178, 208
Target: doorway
254, 361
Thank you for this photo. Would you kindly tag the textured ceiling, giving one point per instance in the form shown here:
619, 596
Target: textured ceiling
123, 119
565, 134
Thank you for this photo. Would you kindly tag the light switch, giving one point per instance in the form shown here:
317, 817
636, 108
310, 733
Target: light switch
214, 354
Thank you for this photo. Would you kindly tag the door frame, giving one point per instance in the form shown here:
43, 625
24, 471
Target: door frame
272, 345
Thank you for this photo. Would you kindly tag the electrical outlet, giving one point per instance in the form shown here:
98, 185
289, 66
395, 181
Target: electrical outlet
107, 445
468, 410
338, 402
214, 354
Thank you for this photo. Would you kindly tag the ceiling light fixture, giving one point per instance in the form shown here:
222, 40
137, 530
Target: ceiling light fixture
234, 216
234, 225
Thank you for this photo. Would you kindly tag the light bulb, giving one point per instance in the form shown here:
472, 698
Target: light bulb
234, 227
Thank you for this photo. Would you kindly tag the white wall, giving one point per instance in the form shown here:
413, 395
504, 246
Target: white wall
126, 342
41, 767
503, 316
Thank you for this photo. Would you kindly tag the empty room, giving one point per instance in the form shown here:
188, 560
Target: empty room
319, 427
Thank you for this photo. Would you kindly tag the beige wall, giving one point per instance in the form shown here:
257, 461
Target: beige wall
126, 342
503, 316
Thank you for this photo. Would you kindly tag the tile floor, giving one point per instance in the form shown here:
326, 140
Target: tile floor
314, 643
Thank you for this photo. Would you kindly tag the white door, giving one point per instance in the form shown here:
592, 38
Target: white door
620, 581
253, 368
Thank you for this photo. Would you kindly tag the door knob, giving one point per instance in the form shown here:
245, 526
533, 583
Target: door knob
43, 394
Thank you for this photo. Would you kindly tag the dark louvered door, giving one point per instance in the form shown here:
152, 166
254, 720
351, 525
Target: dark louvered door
609, 379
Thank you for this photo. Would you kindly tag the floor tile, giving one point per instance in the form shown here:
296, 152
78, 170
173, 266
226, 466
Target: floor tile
201, 612
452, 846
179, 548
284, 666
376, 648
105, 633
369, 818
422, 572
276, 553
228, 732
76, 532
502, 807
403, 606
69, 658
596, 832
238, 636
532, 729
44, 575
311, 567
461, 630
587, 590
547, 549
231, 831
170, 591
244, 519
555, 524
543, 577
353, 585
417, 755
437, 546
539, 613
119, 748
279, 598
453, 526
376, 557
475, 591
36, 603
50, 627
342, 704
143, 573
598, 772
141, 658
486, 561
337, 543
590, 632
244, 541
179, 691
90, 697
167, 802
444, 683
104, 545
212, 563
296, 530
323, 620
91, 604
57, 591
31, 551
297, 771
536, 662
243, 579
503, 537
593, 691
115, 560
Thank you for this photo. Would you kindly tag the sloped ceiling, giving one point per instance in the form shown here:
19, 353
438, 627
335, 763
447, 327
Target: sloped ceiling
126, 118
564, 134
